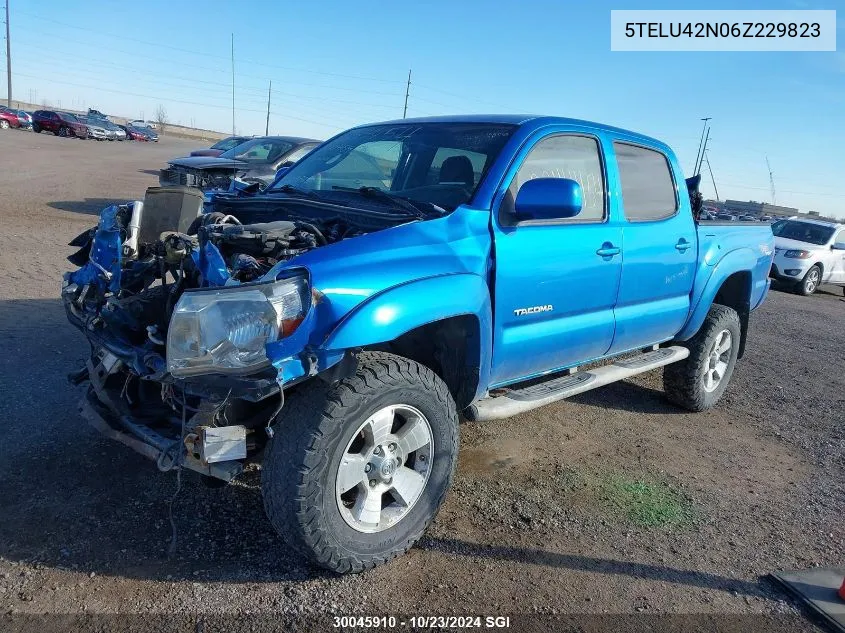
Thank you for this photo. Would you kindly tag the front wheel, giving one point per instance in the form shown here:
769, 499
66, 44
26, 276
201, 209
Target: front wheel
358, 470
4, 124
698, 382
810, 283
36, 128
63, 132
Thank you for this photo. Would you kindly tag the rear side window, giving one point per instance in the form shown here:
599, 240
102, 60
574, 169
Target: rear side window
648, 191
568, 156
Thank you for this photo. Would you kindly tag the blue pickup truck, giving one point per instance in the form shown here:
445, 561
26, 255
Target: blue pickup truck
337, 325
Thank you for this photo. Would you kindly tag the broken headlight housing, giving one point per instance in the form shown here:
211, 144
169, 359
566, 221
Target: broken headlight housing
225, 330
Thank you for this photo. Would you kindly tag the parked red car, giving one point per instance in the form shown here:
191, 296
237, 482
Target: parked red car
59, 123
8, 119
132, 134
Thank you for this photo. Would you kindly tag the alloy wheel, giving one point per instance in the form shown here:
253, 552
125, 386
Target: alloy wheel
384, 468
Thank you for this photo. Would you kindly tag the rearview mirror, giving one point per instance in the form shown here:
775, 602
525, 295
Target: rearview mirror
839, 246
548, 199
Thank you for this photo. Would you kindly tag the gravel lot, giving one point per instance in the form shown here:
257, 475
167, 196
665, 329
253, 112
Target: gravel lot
612, 502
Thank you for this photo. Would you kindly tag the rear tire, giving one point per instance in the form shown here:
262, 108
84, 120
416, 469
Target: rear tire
315, 496
698, 382
811, 281
36, 129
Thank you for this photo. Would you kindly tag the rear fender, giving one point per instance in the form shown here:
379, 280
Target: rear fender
398, 310
707, 287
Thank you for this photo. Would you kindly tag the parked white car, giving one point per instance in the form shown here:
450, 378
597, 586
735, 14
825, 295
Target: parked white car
809, 253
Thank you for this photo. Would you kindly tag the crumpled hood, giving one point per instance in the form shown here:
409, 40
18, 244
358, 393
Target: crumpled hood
209, 162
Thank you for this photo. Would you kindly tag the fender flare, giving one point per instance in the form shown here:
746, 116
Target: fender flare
739, 260
400, 309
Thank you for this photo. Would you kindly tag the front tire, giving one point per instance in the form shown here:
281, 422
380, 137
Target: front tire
811, 281
63, 132
358, 470
698, 382
4, 124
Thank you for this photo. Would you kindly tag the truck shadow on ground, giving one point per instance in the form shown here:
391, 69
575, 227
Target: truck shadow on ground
628, 396
575, 562
89, 206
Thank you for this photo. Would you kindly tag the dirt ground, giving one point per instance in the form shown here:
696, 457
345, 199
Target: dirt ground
613, 502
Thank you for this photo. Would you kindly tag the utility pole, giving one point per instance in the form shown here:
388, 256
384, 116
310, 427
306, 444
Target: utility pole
700, 142
233, 84
710, 169
8, 60
703, 149
771, 180
267, 126
407, 92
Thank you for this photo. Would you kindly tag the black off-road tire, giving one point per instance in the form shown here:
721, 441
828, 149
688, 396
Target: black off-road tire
806, 286
299, 472
683, 382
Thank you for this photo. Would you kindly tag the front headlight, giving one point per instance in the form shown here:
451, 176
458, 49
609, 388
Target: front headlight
797, 254
225, 330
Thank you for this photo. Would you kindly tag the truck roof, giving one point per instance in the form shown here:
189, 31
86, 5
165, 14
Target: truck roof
534, 121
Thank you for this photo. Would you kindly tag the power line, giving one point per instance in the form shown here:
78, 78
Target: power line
158, 98
206, 54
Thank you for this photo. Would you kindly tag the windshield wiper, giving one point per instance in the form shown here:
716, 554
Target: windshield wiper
420, 210
299, 192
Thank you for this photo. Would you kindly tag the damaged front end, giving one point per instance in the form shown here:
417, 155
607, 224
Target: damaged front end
195, 323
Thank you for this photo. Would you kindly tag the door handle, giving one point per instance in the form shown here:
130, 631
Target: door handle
608, 250
682, 245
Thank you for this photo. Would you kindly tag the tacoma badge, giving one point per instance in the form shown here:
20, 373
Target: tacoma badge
533, 310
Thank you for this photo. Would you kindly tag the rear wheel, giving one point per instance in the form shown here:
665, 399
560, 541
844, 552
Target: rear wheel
36, 128
63, 131
359, 469
810, 283
698, 382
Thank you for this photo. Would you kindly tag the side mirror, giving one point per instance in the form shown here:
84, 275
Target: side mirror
838, 246
548, 199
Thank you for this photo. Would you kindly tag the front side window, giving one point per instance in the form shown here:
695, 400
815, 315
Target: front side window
567, 156
432, 163
648, 190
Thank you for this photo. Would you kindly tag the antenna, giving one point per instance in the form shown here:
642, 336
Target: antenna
771, 180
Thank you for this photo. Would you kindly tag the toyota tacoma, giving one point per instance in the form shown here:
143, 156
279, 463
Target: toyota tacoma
336, 326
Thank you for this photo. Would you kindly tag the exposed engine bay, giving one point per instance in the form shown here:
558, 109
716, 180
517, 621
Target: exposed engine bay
143, 255
134, 267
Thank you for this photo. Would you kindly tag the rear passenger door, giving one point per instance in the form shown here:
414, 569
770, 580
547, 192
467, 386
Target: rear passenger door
659, 246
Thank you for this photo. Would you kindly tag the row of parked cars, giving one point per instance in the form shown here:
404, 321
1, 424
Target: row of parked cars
94, 126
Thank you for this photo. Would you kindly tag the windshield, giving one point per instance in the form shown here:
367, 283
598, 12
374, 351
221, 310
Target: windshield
803, 231
228, 143
259, 150
440, 164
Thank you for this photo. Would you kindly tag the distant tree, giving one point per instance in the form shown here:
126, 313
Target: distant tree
161, 119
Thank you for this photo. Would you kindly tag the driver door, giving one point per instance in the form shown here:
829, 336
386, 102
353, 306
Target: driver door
556, 280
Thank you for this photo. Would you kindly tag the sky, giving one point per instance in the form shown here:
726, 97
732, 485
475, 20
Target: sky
336, 64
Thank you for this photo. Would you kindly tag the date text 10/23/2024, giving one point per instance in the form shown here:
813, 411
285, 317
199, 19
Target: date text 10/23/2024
422, 622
